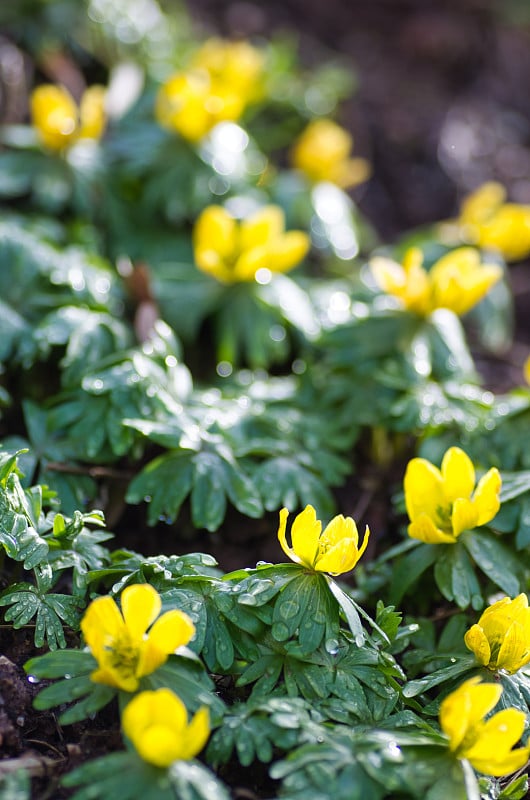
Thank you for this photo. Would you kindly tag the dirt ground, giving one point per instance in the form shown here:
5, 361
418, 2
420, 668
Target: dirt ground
442, 105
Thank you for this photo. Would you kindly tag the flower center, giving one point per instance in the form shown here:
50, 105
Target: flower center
123, 656
444, 516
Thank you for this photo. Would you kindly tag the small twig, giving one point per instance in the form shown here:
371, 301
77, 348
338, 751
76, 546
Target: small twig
35, 766
92, 472
46, 745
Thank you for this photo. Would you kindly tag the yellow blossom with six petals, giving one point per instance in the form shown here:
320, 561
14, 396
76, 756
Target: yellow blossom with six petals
232, 251
323, 153
500, 639
489, 222
486, 744
60, 122
334, 550
126, 644
442, 503
156, 722
457, 281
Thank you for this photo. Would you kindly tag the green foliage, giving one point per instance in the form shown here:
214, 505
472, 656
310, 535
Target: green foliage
123, 775
135, 383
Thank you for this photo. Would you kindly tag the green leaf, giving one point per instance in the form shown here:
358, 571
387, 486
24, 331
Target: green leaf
463, 664
514, 484
286, 482
60, 663
494, 559
450, 353
409, 568
515, 790
304, 609
121, 775
187, 678
350, 611
50, 611
164, 483
455, 577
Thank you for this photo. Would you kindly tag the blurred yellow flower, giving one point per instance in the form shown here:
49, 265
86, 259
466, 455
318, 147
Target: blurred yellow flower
157, 725
441, 503
60, 122
119, 641
457, 281
501, 637
486, 744
234, 67
334, 550
323, 153
233, 251
489, 222
222, 79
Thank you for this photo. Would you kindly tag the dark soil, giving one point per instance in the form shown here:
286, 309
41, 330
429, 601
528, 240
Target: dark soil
442, 105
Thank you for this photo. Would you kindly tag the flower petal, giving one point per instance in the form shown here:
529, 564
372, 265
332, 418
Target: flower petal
196, 734
114, 677
141, 605
262, 227
102, 621
424, 529
492, 749
464, 516
288, 250
458, 474
514, 651
477, 642
215, 230
172, 630
464, 708
289, 552
305, 533
343, 556
486, 497
424, 491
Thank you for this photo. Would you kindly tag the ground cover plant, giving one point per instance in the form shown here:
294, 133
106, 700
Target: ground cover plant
264, 514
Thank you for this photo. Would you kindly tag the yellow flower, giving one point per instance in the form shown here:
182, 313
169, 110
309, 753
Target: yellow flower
486, 744
487, 221
234, 68
58, 120
457, 281
233, 251
334, 550
157, 725
441, 503
323, 152
501, 637
220, 82
119, 641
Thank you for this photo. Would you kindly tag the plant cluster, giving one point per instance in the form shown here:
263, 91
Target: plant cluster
195, 315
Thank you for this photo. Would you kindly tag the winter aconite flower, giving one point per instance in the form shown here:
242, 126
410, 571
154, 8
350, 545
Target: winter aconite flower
486, 744
60, 122
441, 503
334, 549
489, 222
500, 639
123, 643
157, 725
457, 281
233, 251
221, 80
323, 153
